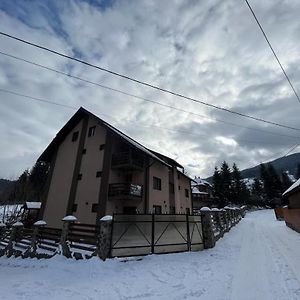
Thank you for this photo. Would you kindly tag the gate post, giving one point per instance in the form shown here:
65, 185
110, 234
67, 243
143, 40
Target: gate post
104, 241
208, 234
188, 238
152, 233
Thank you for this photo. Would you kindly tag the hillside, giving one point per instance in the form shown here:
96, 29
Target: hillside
288, 163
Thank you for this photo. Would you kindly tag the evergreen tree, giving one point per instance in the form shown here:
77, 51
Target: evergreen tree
239, 191
226, 182
217, 187
272, 184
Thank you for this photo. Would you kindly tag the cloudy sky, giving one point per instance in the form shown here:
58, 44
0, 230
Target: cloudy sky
211, 50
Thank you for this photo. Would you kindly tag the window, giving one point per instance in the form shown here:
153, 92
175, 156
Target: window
171, 188
157, 209
178, 176
95, 207
186, 193
172, 210
79, 177
83, 151
75, 136
179, 187
101, 147
156, 183
74, 207
99, 174
92, 131
187, 210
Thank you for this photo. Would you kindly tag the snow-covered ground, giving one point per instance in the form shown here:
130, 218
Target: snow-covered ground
258, 260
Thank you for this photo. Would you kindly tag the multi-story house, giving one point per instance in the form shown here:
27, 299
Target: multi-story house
201, 194
95, 170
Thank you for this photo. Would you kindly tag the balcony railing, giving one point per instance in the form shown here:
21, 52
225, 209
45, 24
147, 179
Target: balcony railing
125, 191
127, 160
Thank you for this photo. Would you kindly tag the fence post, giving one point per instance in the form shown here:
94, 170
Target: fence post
104, 241
188, 238
31, 251
65, 249
2, 230
208, 234
16, 227
152, 233
217, 212
2, 236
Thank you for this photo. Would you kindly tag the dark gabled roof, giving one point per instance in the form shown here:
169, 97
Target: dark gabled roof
167, 159
77, 117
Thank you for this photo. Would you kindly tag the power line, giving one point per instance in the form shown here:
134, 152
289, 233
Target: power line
292, 149
139, 97
36, 99
273, 51
118, 121
145, 83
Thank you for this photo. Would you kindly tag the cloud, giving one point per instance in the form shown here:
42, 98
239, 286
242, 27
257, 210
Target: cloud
211, 50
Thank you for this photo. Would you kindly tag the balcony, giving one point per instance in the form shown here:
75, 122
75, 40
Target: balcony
128, 160
125, 191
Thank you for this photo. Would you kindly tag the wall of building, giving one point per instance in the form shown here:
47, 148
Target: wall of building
60, 185
185, 202
159, 197
87, 192
294, 200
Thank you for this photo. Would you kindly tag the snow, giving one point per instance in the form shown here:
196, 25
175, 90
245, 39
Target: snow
257, 259
17, 224
33, 205
69, 218
200, 181
40, 223
106, 218
205, 208
292, 187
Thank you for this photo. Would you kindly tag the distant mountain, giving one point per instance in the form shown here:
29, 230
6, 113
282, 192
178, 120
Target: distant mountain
288, 163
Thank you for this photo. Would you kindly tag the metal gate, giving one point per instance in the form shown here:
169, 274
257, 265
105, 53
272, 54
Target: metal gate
149, 233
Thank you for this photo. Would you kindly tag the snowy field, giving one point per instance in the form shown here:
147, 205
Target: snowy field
259, 259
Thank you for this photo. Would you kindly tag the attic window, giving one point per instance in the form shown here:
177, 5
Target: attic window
92, 131
75, 136
99, 174
101, 147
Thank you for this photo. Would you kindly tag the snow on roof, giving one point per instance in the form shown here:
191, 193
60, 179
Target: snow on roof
135, 144
291, 177
200, 181
195, 190
292, 187
33, 205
